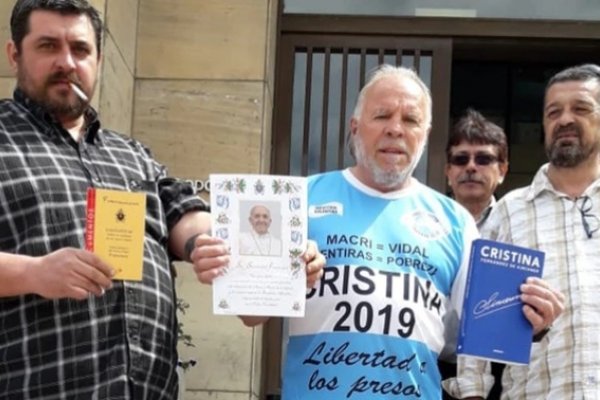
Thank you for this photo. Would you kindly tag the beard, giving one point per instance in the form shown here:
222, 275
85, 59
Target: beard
386, 178
60, 105
571, 153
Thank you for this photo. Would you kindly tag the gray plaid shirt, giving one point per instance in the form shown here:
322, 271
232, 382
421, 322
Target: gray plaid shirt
118, 346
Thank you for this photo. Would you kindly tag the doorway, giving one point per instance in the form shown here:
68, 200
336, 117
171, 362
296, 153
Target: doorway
505, 80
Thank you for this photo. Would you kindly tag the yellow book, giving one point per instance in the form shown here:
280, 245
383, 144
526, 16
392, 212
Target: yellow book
115, 230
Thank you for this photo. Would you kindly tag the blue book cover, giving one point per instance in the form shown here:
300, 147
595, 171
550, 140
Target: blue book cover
493, 325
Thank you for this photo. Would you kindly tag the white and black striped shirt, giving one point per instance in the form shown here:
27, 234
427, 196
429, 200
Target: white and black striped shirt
565, 364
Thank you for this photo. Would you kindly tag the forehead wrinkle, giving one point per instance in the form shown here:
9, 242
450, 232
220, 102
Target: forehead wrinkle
72, 28
570, 91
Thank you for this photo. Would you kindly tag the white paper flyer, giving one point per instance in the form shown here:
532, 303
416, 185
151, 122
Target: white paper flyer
263, 219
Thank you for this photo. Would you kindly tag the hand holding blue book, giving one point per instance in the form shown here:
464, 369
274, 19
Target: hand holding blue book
493, 325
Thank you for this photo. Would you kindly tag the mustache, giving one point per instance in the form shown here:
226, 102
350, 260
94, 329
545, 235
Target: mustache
571, 126
469, 178
396, 144
60, 76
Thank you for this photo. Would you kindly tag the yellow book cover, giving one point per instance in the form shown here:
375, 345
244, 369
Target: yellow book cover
115, 230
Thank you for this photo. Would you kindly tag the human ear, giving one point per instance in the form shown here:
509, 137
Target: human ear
12, 54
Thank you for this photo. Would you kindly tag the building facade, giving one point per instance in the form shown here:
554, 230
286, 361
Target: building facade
259, 86
193, 80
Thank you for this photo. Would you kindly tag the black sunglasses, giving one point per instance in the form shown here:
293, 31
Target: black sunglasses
590, 222
480, 159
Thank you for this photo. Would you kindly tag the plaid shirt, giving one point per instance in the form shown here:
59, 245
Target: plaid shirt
118, 346
565, 364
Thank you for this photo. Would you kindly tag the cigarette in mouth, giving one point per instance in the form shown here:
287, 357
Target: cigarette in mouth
79, 92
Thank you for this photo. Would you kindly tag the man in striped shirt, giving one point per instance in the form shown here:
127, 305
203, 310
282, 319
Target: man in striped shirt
67, 330
559, 214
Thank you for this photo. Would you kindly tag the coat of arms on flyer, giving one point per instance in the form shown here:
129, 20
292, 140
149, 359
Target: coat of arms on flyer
263, 219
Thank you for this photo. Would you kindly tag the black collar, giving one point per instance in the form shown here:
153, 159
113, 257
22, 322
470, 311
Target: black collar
39, 112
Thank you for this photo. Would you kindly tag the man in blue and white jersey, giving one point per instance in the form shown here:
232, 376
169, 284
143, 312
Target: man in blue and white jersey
387, 304
397, 254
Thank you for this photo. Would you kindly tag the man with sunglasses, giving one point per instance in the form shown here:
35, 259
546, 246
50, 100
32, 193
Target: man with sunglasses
558, 214
476, 163
476, 156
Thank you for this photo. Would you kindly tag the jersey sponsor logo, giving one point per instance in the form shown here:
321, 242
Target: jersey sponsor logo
426, 224
323, 210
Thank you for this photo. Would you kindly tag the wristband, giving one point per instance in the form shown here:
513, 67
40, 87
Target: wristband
189, 246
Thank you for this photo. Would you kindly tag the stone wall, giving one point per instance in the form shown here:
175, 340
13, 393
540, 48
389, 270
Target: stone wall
193, 80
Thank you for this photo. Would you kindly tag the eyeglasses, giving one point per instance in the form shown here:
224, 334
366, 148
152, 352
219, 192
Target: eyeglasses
480, 159
590, 222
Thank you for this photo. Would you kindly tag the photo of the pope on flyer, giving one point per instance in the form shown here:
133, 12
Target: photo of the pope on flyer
260, 231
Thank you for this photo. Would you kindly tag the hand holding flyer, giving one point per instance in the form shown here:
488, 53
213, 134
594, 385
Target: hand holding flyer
263, 219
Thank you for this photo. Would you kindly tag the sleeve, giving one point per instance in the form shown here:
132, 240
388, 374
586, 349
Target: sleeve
468, 233
473, 378
178, 198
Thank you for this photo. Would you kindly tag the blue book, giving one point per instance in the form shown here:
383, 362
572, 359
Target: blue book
493, 325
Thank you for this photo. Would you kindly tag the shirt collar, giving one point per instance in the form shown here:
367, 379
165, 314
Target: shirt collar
486, 212
90, 115
261, 236
541, 184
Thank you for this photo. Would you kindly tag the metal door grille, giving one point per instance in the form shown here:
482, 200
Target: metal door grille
318, 86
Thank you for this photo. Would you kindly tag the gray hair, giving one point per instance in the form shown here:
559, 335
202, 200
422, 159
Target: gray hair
386, 71
578, 73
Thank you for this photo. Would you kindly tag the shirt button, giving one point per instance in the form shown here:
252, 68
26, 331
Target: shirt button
591, 381
133, 184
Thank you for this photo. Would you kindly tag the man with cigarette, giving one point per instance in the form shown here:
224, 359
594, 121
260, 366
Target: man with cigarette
69, 331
